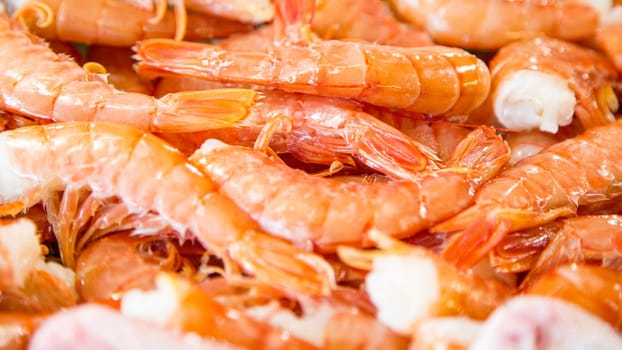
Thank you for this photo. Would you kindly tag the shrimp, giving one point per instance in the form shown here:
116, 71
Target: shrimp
118, 64
42, 84
324, 213
180, 304
97, 327
582, 239
115, 23
430, 80
409, 284
541, 83
29, 284
518, 251
536, 191
536, 322
323, 130
492, 24
595, 289
150, 177
352, 19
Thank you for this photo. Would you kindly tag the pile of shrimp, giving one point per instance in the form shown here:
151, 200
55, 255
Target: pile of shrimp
299, 174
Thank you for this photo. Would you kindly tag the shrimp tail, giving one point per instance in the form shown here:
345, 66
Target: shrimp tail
283, 265
483, 226
483, 152
191, 111
292, 21
387, 150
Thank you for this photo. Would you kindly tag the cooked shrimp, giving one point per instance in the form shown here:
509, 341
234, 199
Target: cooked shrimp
541, 83
115, 160
582, 239
115, 23
433, 80
535, 322
42, 84
119, 72
596, 289
179, 304
409, 284
518, 251
491, 24
610, 40
352, 19
537, 190
29, 284
96, 327
324, 213
322, 130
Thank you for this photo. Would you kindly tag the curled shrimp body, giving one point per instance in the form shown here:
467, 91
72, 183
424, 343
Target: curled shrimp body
324, 213
434, 80
551, 184
116, 23
42, 84
596, 289
115, 160
541, 83
491, 24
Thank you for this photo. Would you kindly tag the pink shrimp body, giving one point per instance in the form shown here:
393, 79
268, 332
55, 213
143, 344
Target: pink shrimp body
150, 177
581, 170
491, 24
434, 80
545, 323
119, 23
45, 85
325, 213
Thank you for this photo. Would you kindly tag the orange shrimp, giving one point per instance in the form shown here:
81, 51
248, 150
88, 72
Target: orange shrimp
539, 189
594, 288
116, 160
432, 80
582, 239
541, 83
117, 23
491, 24
118, 64
321, 130
323, 213
518, 251
42, 84
29, 284
525, 144
408, 284
94, 326
182, 305
352, 19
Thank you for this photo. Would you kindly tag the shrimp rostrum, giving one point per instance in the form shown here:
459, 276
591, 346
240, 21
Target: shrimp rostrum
115, 160
551, 184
